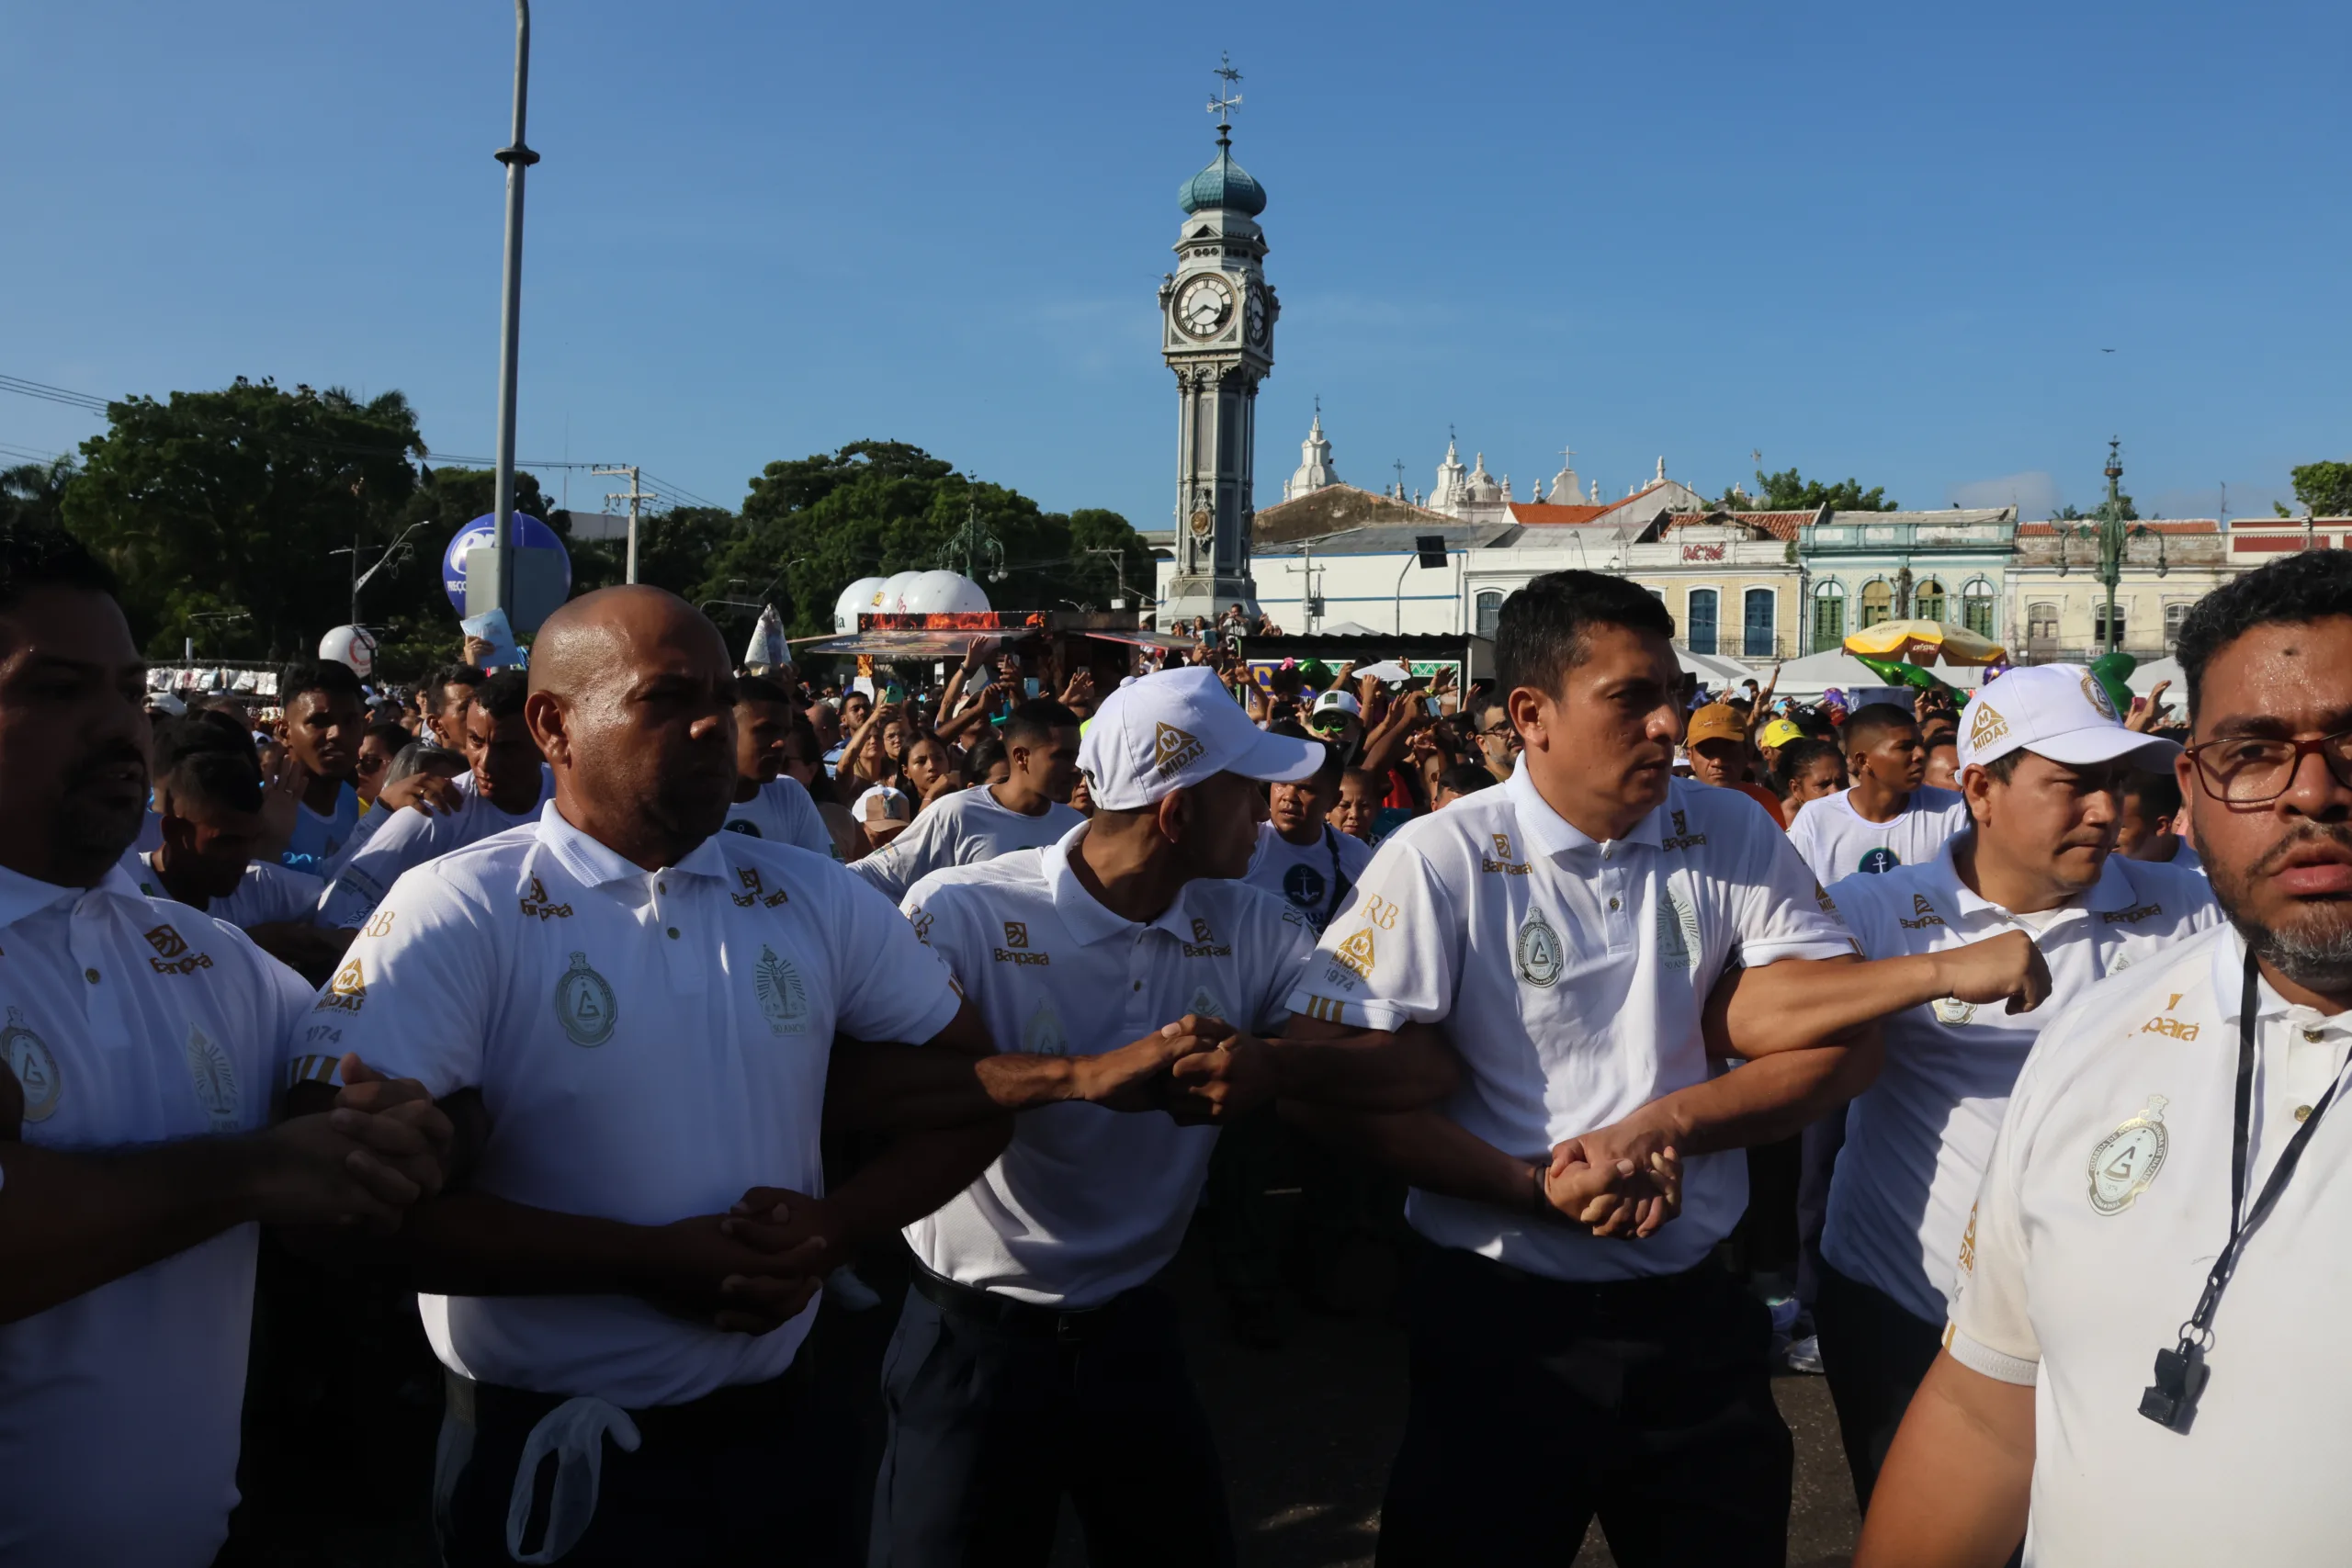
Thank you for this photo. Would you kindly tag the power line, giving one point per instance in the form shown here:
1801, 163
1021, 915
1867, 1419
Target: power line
7, 450
48, 393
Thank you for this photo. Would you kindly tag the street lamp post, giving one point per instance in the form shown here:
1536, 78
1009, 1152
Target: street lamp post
2111, 537
517, 157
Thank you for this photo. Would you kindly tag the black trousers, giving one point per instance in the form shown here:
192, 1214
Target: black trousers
1875, 1353
1538, 1403
998, 1408
739, 1477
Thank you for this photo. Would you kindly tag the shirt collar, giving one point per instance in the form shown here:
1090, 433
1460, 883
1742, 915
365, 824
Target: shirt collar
2228, 980
21, 896
594, 863
1087, 918
2113, 890
1554, 834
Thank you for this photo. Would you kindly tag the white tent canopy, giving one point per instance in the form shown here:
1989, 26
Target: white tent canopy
1717, 673
1805, 679
2144, 681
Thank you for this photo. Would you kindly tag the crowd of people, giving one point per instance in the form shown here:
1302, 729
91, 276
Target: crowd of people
541, 1052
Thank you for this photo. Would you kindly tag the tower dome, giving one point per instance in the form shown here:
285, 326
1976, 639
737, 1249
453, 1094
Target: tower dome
1224, 186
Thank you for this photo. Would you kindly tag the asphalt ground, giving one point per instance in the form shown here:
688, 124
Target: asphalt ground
1305, 1429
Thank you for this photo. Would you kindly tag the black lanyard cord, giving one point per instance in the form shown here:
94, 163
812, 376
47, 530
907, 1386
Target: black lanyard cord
2181, 1373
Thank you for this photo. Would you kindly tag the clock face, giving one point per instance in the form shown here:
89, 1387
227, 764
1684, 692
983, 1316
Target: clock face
1205, 306
1254, 317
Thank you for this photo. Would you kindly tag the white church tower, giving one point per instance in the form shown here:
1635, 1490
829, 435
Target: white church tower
1217, 334
1315, 471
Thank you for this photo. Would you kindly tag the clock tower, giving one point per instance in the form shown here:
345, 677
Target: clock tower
1216, 332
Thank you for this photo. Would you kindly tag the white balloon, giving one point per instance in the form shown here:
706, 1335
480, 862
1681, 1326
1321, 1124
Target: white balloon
945, 593
891, 597
855, 599
353, 646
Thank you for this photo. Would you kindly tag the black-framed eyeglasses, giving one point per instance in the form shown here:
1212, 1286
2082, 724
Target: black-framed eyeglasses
2247, 771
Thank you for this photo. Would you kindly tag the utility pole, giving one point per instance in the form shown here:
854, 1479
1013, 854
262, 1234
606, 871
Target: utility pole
517, 157
633, 495
2112, 537
1119, 562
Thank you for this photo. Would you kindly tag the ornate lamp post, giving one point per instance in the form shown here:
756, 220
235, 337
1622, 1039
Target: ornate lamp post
2111, 536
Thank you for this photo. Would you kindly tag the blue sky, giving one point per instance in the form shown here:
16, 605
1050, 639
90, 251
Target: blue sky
1889, 241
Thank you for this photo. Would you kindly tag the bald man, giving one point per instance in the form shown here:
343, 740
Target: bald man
640, 1022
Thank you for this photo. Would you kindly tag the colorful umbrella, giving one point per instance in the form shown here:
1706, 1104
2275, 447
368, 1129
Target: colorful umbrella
1924, 642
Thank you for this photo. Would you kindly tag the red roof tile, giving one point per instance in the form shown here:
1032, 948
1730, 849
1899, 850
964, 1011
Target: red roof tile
1536, 511
1781, 525
2174, 525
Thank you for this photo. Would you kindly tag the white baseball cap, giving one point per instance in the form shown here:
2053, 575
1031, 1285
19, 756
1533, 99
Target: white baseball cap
1337, 701
1175, 729
2058, 711
883, 803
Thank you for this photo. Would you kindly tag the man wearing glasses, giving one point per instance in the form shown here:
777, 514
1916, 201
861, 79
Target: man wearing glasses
2143, 1357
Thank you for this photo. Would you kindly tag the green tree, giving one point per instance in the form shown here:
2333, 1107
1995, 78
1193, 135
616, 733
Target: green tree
1788, 491
33, 494
2130, 513
674, 550
406, 604
230, 501
2325, 489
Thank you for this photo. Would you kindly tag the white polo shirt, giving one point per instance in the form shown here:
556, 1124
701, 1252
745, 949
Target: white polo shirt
1087, 1203
2106, 1200
1316, 879
1916, 1140
267, 894
1838, 842
133, 1021
1571, 975
648, 1046
783, 813
962, 829
410, 838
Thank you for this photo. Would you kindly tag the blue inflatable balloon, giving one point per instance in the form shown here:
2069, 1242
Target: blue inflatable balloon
530, 534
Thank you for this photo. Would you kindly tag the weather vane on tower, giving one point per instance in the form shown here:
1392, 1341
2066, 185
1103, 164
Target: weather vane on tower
1227, 100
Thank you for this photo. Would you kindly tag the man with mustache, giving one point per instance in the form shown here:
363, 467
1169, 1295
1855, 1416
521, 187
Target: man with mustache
2146, 1355
142, 1047
2041, 767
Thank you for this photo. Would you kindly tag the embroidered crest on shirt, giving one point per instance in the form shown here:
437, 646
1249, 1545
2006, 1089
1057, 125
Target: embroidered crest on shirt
584, 1004
1678, 930
347, 992
1821, 896
1538, 953
1203, 1005
2127, 1160
215, 1078
1355, 954
1172, 749
1042, 1035
1682, 838
35, 1069
782, 997
173, 955
1985, 725
1952, 1011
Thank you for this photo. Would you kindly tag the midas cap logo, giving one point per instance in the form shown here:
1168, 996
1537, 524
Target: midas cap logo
1172, 749
2096, 694
1987, 726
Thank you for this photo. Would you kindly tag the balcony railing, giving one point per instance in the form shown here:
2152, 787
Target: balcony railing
1751, 648
2081, 651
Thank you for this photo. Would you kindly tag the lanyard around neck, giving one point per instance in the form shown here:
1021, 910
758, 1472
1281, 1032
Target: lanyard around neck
2181, 1372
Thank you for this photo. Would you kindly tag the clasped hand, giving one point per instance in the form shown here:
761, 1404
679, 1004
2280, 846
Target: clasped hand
1621, 1182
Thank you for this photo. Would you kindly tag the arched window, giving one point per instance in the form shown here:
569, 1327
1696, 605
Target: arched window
1976, 607
1828, 616
1878, 603
1927, 604
2041, 626
1490, 609
1699, 621
1757, 633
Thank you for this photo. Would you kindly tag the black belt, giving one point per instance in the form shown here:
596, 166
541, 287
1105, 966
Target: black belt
737, 1413
1069, 1325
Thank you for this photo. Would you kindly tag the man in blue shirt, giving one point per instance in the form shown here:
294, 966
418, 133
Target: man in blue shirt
326, 715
